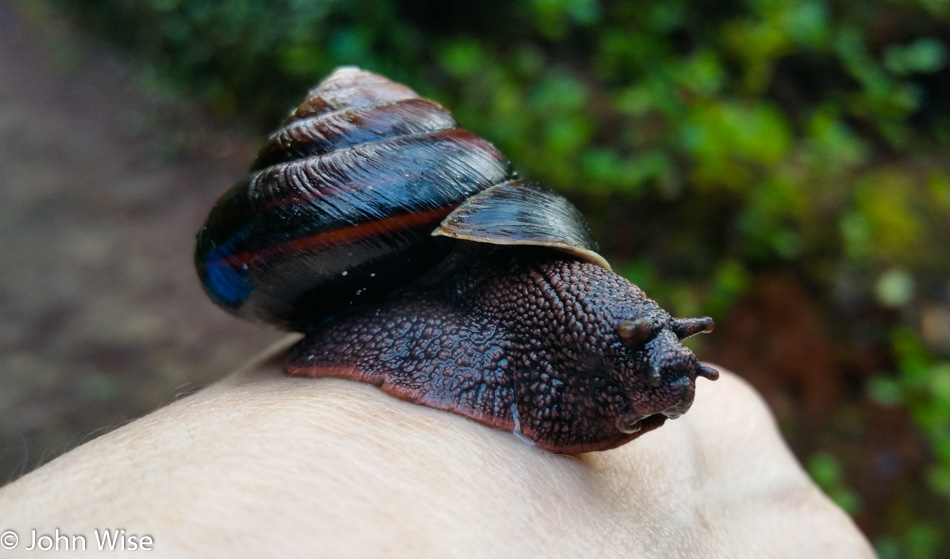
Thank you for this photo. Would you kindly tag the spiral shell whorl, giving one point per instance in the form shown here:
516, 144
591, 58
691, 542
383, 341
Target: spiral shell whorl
349, 87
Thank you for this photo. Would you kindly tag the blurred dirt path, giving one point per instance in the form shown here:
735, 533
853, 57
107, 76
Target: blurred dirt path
102, 189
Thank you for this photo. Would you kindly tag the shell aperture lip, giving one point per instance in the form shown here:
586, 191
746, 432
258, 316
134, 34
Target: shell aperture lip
515, 213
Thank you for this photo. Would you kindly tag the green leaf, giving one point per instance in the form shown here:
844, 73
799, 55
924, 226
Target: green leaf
924, 56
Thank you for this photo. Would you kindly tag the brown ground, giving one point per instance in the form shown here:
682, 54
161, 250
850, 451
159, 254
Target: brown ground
102, 189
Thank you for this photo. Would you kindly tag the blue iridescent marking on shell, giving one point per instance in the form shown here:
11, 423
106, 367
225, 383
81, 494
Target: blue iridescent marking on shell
225, 283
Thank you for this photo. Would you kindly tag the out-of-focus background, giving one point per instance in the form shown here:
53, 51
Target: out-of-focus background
781, 166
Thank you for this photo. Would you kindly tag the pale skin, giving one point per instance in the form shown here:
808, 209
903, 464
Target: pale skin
263, 465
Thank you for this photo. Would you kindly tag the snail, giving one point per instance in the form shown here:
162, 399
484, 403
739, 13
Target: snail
414, 258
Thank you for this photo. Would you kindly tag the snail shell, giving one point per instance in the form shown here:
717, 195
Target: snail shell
416, 260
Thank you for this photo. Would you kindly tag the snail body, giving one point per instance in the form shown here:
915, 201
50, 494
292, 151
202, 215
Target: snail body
415, 259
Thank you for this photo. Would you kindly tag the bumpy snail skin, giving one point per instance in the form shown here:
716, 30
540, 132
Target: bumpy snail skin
533, 334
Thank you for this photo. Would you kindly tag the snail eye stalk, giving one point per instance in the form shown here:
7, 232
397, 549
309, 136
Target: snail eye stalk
686, 327
635, 331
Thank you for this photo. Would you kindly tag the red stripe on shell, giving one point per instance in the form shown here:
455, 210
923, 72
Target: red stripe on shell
340, 236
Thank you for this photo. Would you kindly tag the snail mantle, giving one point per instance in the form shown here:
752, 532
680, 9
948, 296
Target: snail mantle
413, 258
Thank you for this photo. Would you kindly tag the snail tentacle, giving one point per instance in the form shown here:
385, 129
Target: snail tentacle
686, 327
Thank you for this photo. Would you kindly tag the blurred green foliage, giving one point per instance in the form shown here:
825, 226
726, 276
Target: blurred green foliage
826, 470
712, 141
923, 387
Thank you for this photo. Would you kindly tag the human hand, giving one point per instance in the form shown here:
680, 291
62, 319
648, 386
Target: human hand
264, 465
